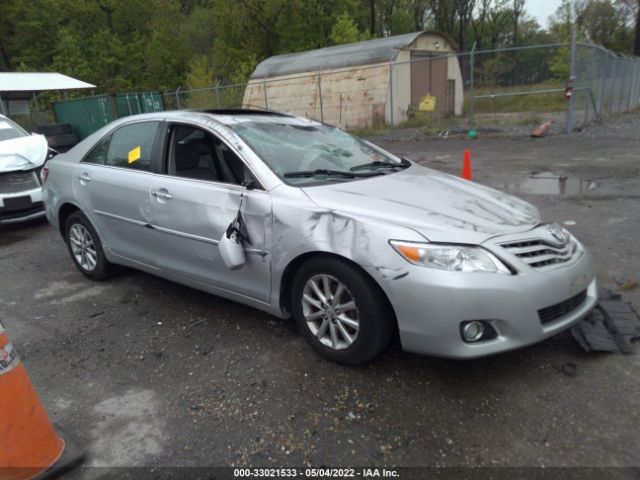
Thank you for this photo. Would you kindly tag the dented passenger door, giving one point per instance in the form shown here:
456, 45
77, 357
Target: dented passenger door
194, 202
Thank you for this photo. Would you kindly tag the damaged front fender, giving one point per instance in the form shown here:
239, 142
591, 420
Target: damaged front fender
309, 228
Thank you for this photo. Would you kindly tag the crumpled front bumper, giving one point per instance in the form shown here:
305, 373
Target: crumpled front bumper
430, 306
21, 206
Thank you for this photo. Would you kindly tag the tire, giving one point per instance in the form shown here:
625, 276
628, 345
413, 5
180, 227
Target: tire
90, 261
325, 328
66, 140
54, 129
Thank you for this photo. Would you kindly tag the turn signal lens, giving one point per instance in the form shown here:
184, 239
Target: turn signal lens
410, 253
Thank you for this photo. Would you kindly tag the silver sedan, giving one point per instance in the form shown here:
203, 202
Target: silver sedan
299, 218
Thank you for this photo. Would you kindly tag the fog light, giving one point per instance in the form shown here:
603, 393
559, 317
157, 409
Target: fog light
472, 331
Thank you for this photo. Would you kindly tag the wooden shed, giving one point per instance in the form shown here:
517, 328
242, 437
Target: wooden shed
363, 84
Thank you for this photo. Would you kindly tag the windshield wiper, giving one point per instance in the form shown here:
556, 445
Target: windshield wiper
378, 164
328, 173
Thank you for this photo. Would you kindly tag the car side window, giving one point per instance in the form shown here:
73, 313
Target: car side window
131, 146
197, 154
98, 154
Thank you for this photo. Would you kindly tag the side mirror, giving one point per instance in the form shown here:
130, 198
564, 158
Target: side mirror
51, 153
231, 248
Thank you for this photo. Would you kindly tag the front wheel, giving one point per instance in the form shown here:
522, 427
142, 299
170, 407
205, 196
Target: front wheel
341, 311
85, 247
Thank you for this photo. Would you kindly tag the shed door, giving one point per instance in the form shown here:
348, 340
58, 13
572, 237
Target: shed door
429, 77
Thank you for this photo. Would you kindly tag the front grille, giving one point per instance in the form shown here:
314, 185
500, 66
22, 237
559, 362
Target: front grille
549, 314
539, 253
14, 182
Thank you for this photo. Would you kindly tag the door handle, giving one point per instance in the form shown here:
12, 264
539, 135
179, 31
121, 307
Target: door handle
163, 195
84, 178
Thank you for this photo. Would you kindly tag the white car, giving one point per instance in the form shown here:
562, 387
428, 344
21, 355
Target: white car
21, 158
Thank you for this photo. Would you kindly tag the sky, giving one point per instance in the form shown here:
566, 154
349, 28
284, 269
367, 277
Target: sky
541, 9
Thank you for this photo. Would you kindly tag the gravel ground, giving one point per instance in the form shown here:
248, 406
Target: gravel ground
145, 372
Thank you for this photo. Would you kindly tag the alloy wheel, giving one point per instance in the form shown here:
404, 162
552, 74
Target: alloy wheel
83, 247
330, 311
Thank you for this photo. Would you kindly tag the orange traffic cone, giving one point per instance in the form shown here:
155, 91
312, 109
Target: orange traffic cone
30, 447
466, 165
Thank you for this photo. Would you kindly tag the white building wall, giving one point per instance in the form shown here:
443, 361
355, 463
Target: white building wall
351, 98
357, 97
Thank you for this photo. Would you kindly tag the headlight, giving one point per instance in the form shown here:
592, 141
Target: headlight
454, 258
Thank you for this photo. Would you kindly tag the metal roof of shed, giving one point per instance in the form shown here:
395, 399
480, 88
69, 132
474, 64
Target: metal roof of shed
360, 53
38, 82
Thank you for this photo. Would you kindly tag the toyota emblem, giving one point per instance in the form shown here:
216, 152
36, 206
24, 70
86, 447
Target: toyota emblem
558, 233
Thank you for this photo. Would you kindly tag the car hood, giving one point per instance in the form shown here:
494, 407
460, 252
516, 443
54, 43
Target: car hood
23, 153
441, 207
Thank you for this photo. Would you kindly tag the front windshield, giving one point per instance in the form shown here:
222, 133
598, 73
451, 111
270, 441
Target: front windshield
10, 130
313, 153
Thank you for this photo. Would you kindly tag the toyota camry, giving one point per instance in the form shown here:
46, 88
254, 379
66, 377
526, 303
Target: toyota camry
301, 219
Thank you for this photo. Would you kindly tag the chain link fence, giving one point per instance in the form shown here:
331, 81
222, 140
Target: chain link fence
605, 83
569, 84
515, 84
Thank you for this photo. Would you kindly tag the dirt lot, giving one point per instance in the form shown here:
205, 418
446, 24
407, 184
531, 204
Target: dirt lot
145, 372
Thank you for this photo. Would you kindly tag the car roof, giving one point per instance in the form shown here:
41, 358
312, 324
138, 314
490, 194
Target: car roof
224, 116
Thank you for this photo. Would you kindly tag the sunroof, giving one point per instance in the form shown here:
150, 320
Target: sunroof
244, 111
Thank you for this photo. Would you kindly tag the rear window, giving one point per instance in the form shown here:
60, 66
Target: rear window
10, 130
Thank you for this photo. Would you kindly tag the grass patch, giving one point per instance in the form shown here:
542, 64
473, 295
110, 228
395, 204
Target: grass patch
426, 123
532, 102
498, 112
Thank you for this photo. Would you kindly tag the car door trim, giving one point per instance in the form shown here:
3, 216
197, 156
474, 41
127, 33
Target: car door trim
198, 238
124, 219
212, 241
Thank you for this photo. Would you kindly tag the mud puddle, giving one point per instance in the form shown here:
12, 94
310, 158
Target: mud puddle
549, 183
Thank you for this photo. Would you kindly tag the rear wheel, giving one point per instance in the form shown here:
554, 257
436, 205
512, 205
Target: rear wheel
341, 312
85, 247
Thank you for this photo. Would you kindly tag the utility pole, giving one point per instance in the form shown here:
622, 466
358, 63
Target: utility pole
372, 18
572, 66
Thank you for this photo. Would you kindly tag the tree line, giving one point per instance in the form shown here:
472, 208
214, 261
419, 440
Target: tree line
142, 45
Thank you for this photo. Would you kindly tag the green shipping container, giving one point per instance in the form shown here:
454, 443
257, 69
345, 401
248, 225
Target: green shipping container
134, 103
89, 114
85, 115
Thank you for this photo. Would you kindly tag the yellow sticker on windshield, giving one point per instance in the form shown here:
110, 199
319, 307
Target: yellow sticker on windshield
134, 154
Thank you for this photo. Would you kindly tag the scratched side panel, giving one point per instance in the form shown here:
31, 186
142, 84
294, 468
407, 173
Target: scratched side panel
117, 204
191, 224
300, 226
